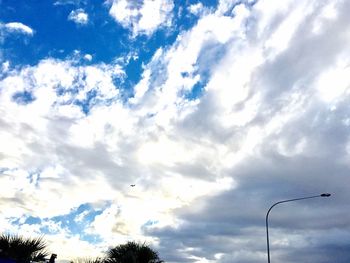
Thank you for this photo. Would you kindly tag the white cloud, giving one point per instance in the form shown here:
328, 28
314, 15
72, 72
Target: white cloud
5, 66
196, 9
88, 57
334, 83
142, 17
72, 247
272, 122
79, 16
17, 27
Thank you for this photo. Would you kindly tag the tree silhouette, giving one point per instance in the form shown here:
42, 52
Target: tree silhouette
22, 249
87, 260
132, 252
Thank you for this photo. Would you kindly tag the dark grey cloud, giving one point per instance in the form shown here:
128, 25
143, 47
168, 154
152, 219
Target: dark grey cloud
330, 253
235, 221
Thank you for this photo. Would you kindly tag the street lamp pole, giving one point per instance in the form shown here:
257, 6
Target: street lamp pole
280, 202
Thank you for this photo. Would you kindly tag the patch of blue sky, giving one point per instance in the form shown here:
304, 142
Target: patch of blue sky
75, 222
56, 36
209, 56
14, 220
196, 91
31, 220
23, 97
91, 238
46, 230
206, 3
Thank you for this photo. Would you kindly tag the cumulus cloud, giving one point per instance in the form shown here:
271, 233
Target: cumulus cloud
143, 17
79, 17
246, 108
17, 27
60, 95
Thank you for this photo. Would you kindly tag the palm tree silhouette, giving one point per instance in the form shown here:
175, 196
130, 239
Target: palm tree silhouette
132, 252
23, 250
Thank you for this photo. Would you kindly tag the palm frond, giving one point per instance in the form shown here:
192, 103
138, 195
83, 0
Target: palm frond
22, 249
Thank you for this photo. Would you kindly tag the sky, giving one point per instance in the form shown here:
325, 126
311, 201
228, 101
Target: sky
213, 109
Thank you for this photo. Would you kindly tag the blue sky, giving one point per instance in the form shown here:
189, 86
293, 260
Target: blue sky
213, 109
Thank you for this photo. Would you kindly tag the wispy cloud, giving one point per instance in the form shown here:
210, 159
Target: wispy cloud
69, 2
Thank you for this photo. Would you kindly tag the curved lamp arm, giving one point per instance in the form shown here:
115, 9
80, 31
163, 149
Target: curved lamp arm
280, 202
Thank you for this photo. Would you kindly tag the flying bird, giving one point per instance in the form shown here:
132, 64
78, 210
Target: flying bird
132, 185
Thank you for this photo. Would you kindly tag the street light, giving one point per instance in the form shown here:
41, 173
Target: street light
284, 201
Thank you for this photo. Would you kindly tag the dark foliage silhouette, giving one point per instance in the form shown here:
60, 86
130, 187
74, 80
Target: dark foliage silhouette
132, 252
22, 249
87, 260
